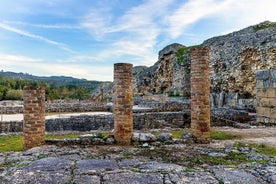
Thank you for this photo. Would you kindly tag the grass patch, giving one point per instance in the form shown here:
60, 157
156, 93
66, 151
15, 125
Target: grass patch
180, 54
262, 148
11, 143
177, 134
63, 136
220, 135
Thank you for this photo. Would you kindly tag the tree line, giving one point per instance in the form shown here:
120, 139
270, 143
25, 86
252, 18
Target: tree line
12, 89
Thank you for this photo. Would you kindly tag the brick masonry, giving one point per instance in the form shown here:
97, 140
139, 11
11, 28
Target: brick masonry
123, 103
34, 117
200, 95
266, 96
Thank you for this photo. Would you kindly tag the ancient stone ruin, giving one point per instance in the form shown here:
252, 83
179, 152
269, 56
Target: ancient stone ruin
34, 117
200, 95
266, 96
123, 103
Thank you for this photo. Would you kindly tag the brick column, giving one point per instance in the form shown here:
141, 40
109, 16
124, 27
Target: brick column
34, 117
123, 102
200, 95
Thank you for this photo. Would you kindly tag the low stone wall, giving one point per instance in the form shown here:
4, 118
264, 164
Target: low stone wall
226, 117
76, 107
106, 122
170, 106
60, 107
11, 126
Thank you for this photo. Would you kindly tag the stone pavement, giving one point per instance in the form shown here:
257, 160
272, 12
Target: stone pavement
120, 164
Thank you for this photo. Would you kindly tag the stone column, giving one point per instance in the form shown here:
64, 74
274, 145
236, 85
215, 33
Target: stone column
200, 95
123, 103
266, 96
34, 117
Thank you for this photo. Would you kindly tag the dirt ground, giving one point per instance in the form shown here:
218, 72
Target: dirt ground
263, 135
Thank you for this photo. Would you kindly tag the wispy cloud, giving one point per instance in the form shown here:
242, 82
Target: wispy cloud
37, 37
191, 12
45, 26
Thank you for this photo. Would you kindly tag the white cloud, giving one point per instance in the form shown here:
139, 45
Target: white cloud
37, 37
7, 59
191, 12
40, 67
134, 33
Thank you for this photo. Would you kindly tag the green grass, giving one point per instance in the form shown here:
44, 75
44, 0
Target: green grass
220, 135
63, 136
11, 143
262, 148
15, 142
216, 135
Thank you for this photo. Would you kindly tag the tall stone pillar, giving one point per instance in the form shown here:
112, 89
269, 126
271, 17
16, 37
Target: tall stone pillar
200, 95
123, 103
34, 117
266, 96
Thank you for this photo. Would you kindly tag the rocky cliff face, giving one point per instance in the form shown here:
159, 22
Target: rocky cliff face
234, 60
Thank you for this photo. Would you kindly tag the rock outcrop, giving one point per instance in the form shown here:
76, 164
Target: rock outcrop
234, 60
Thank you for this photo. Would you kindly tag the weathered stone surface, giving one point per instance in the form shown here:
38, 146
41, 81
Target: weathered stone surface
190, 177
143, 137
93, 166
164, 137
47, 170
160, 167
232, 175
74, 164
144, 178
87, 179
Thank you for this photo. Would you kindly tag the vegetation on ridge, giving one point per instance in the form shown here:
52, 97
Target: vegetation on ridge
12, 89
264, 26
180, 54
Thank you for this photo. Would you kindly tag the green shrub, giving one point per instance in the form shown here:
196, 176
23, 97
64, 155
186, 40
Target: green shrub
14, 94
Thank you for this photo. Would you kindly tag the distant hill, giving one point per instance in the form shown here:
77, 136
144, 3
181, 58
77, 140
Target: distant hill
54, 80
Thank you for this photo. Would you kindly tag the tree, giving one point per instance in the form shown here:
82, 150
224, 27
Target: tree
14, 94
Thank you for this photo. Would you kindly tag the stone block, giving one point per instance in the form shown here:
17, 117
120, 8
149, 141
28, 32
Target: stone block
262, 75
263, 111
271, 92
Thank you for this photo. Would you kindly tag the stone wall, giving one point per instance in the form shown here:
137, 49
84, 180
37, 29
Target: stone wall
172, 106
61, 106
141, 121
266, 96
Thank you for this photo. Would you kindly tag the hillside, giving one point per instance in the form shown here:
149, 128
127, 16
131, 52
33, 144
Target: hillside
234, 59
54, 80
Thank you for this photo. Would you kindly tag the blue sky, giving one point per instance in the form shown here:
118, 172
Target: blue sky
84, 38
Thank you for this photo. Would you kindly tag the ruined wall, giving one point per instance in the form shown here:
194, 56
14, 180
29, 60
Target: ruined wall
141, 121
266, 96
